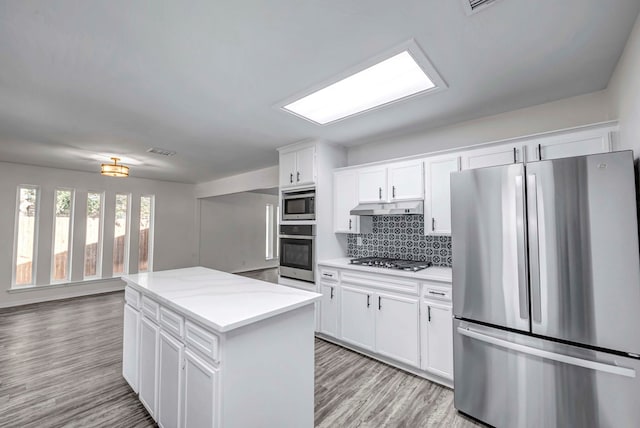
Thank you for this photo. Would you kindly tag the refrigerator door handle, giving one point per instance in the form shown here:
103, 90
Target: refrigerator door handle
522, 250
534, 248
536, 352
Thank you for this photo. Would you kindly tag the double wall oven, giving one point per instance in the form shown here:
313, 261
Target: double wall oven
297, 251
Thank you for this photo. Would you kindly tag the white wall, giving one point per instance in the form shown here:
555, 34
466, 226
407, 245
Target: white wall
259, 179
175, 238
624, 93
232, 232
565, 113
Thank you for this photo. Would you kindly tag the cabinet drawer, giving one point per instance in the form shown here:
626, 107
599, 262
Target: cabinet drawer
202, 341
132, 297
384, 282
328, 274
437, 292
150, 308
171, 322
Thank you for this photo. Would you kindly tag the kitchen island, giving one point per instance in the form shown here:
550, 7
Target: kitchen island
205, 348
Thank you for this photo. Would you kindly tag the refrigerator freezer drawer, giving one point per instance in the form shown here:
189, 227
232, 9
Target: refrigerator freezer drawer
512, 380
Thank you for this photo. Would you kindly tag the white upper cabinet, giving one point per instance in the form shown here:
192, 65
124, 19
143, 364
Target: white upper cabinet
406, 181
493, 156
372, 184
345, 195
298, 167
437, 198
573, 144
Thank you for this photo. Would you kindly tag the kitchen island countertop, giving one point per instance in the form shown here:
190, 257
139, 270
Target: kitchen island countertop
220, 300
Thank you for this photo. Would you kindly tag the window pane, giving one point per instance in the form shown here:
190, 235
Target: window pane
93, 236
61, 234
26, 236
120, 241
145, 250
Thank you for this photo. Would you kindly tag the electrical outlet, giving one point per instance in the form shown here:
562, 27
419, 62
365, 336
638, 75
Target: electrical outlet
359, 240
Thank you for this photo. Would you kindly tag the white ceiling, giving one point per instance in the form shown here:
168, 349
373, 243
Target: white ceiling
83, 78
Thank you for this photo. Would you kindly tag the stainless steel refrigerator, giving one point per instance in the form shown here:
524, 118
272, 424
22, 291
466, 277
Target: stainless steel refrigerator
546, 293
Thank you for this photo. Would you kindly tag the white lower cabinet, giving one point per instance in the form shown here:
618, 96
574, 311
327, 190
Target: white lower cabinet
170, 368
438, 343
397, 324
200, 392
329, 306
130, 345
149, 335
357, 317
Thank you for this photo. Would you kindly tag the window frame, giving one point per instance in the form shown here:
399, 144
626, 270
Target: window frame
100, 246
36, 230
72, 206
150, 236
127, 237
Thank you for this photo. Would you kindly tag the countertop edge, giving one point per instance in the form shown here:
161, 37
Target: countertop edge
218, 328
418, 276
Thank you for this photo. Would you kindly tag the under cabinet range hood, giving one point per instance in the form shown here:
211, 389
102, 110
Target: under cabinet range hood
392, 208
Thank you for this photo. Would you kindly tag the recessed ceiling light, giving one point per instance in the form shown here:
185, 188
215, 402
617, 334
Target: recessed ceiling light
397, 77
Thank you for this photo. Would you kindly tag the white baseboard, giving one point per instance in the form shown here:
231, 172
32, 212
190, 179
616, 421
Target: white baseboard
59, 293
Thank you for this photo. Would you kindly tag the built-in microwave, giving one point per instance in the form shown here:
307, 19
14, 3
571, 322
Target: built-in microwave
299, 205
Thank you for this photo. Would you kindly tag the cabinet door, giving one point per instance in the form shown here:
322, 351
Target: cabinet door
574, 144
372, 185
438, 348
200, 392
492, 156
397, 328
357, 317
305, 166
287, 168
130, 338
406, 181
437, 219
329, 309
345, 195
149, 335
169, 381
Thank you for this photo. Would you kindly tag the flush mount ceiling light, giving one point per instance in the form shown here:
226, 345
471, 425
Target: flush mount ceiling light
114, 169
397, 75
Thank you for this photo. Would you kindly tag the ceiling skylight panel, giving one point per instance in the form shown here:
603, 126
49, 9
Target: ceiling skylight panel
393, 79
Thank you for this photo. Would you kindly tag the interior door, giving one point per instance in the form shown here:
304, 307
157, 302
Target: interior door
489, 246
585, 270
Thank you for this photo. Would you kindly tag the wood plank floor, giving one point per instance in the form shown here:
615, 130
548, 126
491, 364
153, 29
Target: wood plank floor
61, 364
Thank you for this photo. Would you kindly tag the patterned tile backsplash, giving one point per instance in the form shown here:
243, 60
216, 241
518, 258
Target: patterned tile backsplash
401, 237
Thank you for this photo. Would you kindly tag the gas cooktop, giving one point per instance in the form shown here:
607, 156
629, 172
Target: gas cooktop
388, 263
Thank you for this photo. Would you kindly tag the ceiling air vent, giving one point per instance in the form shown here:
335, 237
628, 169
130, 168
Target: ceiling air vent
161, 152
473, 6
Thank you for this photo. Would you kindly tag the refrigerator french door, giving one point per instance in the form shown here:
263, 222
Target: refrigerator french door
546, 291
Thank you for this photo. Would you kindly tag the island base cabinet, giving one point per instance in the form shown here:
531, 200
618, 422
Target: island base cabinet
170, 365
130, 346
397, 326
149, 335
200, 392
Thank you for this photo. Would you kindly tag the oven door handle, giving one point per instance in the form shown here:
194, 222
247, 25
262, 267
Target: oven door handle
299, 196
298, 237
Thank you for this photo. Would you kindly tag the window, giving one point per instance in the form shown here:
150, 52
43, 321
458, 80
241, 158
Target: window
93, 236
26, 235
145, 249
272, 218
63, 221
121, 235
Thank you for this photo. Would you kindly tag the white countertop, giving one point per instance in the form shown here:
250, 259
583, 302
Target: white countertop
221, 300
435, 273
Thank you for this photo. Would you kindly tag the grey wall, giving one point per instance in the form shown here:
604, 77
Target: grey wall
232, 232
565, 113
175, 233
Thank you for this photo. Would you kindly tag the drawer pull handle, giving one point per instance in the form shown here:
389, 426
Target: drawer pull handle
437, 293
